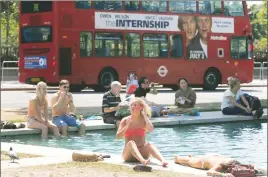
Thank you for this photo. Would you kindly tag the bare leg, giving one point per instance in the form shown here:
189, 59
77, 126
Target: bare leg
155, 153
182, 160
38, 125
64, 130
189, 161
54, 129
130, 150
82, 129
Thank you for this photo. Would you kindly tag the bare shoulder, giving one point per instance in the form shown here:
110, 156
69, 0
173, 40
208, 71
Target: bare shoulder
70, 94
54, 96
125, 119
33, 100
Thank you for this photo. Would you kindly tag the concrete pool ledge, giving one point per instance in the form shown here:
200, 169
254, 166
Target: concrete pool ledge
60, 155
204, 118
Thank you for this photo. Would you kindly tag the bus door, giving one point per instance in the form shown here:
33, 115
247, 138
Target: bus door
65, 61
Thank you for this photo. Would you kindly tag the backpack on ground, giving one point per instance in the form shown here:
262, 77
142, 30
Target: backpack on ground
254, 102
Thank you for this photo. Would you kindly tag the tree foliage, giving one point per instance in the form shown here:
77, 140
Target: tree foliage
258, 19
9, 23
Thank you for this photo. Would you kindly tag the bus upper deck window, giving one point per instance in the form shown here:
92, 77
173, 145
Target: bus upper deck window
132, 5
182, 6
154, 6
210, 7
36, 6
108, 5
83, 4
233, 8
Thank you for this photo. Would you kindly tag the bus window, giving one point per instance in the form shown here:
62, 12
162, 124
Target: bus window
36, 6
132, 5
176, 45
233, 8
36, 34
210, 7
108, 5
108, 44
239, 48
155, 45
83, 4
85, 44
132, 45
182, 6
154, 6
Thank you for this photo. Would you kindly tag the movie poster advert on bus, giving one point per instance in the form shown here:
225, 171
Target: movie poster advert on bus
33, 62
196, 28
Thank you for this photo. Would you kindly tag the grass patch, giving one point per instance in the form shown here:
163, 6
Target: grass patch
4, 155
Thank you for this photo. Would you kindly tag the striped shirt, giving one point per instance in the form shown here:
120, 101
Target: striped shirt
110, 100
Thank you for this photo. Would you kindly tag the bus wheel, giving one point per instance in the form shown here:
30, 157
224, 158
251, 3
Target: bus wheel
211, 79
76, 87
106, 77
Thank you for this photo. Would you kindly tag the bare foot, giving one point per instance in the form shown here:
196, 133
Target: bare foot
146, 162
164, 164
175, 158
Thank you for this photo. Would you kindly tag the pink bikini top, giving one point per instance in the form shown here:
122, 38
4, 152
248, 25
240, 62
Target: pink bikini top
132, 131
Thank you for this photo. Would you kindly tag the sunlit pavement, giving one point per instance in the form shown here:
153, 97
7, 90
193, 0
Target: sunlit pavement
89, 98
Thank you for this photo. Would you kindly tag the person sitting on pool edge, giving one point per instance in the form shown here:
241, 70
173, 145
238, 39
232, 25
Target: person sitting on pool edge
133, 128
63, 109
111, 103
185, 98
216, 164
230, 103
37, 105
142, 90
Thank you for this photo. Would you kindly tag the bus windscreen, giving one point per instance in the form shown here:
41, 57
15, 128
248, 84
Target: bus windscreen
36, 34
36, 6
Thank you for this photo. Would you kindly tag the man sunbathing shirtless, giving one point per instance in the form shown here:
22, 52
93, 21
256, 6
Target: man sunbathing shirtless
63, 109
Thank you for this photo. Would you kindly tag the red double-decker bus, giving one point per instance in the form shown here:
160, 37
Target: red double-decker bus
94, 43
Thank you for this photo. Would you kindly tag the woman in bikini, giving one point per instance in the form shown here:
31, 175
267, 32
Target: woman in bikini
216, 164
37, 105
134, 128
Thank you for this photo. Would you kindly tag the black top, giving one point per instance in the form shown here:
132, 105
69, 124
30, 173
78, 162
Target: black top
110, 100
140, 92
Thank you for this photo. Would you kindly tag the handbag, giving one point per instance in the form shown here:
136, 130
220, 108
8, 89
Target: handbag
242, 170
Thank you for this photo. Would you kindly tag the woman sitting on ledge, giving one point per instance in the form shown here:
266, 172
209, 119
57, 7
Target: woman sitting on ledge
37, 105
185, 98
217, 164
134, 128
231, 98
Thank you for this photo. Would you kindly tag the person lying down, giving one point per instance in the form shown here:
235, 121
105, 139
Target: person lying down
218, 165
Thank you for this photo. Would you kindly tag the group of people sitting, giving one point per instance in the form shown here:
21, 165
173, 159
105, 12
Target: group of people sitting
63, 109
132, 128
234, 101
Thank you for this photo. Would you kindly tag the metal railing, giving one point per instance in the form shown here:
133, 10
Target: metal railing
3, 68
264, 70
257, 68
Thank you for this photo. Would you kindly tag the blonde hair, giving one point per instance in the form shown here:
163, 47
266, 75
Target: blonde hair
39, 93
146, 108
232, 81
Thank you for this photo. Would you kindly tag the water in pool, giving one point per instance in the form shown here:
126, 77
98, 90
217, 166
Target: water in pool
246, 141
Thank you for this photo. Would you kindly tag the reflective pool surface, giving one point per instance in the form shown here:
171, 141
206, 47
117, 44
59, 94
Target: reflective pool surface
246, 141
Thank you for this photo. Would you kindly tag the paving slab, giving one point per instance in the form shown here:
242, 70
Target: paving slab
204, 118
